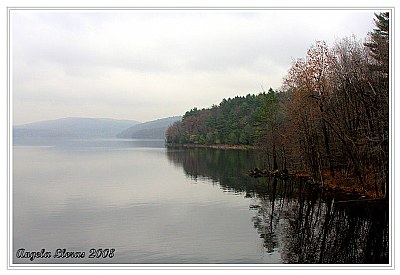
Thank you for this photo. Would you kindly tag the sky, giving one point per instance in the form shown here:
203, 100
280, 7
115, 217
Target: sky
149, 64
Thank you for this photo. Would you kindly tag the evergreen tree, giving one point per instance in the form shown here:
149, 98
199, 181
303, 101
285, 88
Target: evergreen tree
379, 42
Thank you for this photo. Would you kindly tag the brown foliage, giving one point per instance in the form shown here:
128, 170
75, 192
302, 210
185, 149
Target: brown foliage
337, 110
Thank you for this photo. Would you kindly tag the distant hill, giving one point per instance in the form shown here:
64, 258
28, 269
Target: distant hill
149, 130
74, 127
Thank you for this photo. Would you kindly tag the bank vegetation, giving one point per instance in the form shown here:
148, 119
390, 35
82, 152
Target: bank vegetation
328, 121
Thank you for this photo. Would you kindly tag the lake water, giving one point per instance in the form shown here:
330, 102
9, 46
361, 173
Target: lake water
142, 203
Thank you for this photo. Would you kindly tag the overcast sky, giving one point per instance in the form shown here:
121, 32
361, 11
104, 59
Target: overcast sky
145, 65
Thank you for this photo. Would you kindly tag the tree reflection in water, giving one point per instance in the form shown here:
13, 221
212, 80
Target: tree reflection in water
303, 222
322, 230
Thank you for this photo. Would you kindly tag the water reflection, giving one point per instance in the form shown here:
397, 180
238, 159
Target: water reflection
302, 222
228, 168
322, 230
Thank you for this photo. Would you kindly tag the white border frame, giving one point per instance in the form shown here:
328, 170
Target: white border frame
11, 265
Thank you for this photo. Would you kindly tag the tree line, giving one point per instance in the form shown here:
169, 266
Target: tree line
233, 121
330, 118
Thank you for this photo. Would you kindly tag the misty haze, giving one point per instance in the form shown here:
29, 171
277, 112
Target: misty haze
192, 136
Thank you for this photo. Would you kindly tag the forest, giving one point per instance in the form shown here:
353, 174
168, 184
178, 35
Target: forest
329, 120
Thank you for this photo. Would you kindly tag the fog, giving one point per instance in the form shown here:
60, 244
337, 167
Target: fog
148, 64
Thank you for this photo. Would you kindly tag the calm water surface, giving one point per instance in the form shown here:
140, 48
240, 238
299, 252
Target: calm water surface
178, 206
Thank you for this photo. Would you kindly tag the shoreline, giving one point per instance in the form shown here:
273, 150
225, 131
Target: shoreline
212, 146
328, 183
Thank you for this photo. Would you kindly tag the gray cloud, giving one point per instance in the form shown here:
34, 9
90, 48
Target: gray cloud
147, 64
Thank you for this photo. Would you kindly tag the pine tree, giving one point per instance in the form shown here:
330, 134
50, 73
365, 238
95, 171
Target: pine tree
379, 42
